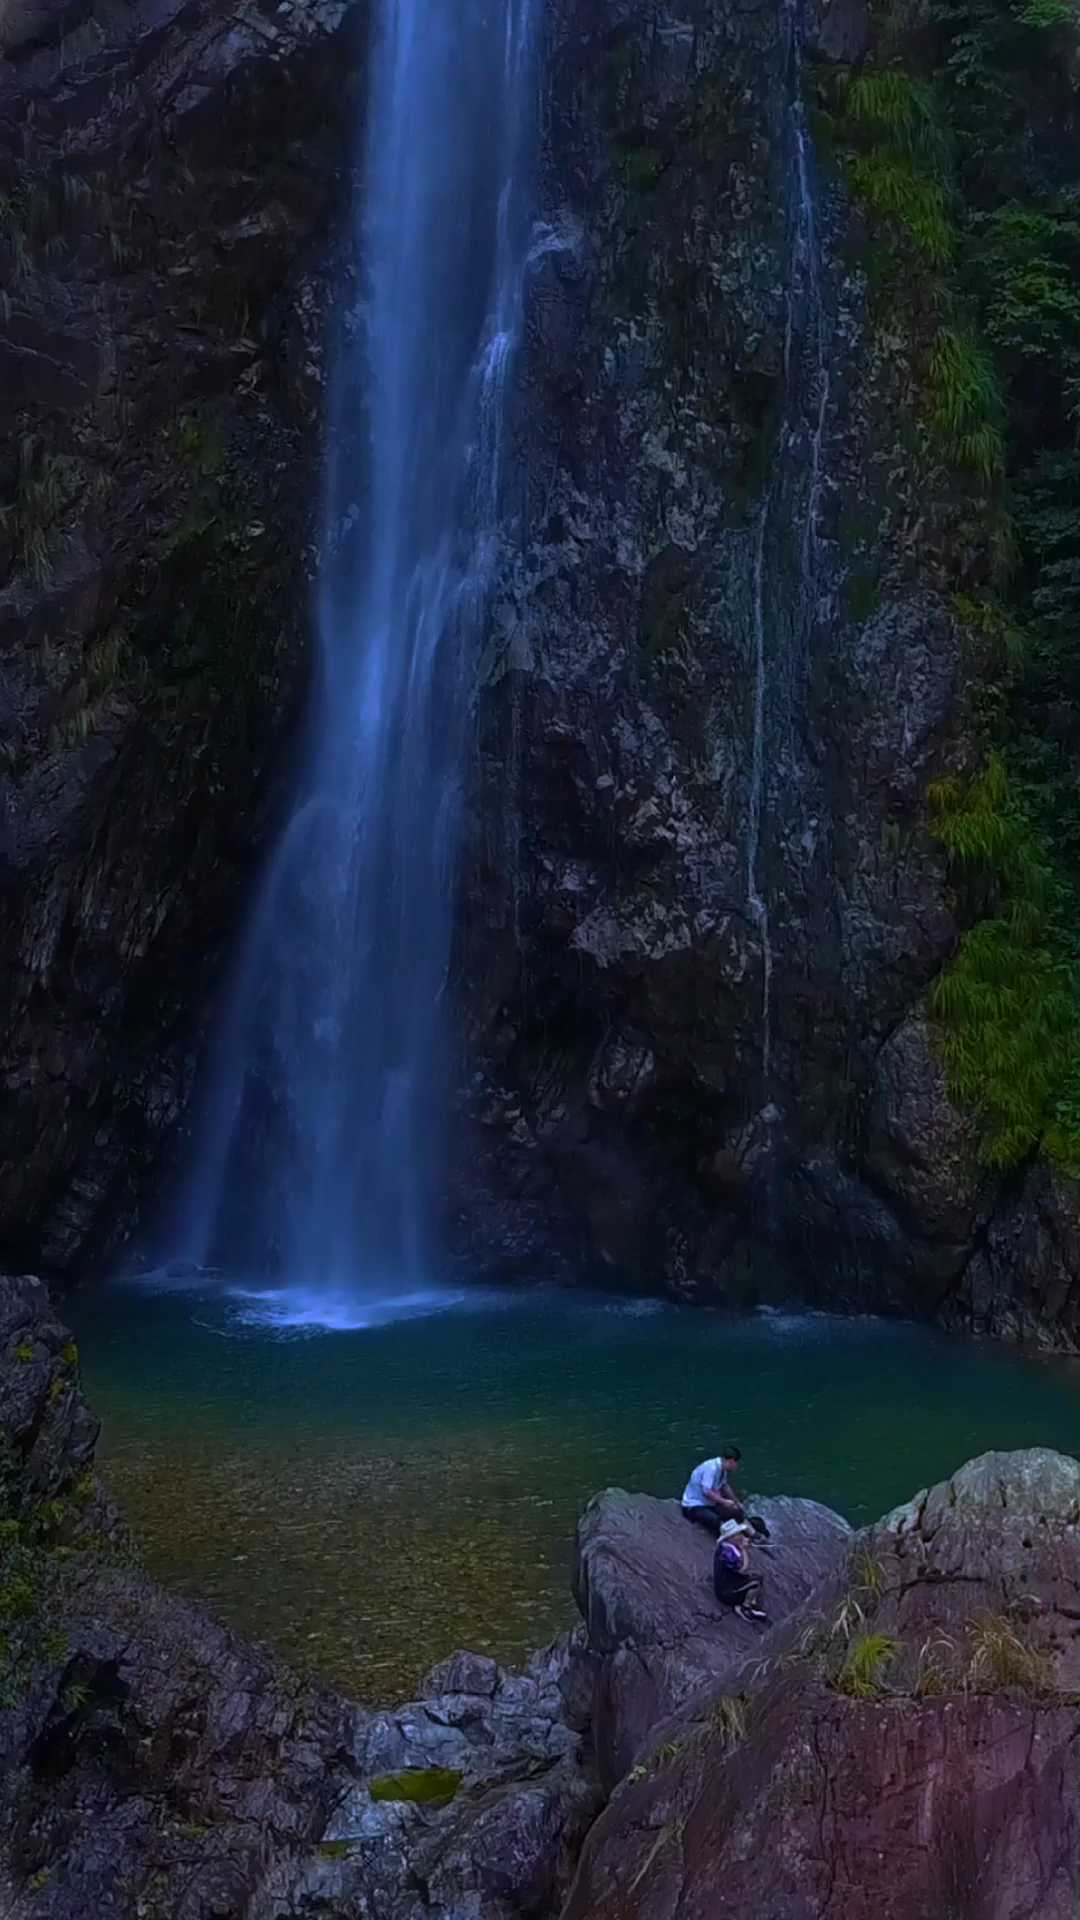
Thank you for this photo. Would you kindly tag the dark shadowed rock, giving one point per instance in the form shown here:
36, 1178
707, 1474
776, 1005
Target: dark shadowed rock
1023, 1279
643, 1582
47, 1431
932, 1771
920, 1150
169, 172
840, 29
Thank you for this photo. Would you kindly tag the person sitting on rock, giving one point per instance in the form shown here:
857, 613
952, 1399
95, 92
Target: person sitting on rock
733, 1583
708, 1498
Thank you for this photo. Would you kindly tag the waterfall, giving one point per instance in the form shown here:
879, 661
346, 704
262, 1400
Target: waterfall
791, 504
319, 1156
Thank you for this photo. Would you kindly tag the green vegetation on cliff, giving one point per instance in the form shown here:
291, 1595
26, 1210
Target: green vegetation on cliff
959, 139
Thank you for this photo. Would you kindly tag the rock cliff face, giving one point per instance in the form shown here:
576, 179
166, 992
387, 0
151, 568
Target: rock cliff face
700, 901
168, 179
723, 669
703, 903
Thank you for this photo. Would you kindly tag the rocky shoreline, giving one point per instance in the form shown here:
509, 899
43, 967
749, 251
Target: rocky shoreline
900, 1740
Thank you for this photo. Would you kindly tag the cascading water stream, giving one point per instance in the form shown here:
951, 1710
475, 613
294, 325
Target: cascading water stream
319, 1152
806, 395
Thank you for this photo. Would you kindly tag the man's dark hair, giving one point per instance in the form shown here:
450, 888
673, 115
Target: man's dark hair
730, 1453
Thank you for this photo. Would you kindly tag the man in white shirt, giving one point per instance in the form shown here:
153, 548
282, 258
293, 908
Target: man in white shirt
708, 1497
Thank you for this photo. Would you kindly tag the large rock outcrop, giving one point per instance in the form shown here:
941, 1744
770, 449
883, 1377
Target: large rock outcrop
658, 1639
910, 1749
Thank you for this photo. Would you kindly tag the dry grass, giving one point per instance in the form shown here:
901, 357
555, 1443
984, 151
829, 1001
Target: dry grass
936, 1671
1000, 1661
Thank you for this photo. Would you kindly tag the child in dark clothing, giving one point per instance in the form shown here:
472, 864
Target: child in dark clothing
733, 1583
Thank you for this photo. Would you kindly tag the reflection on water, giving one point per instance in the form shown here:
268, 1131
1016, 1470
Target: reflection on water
370, 1499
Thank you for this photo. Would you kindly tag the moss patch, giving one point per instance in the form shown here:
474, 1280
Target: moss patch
422, 1786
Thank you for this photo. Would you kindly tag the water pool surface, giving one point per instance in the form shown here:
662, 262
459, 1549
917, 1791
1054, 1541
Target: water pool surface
368, 1500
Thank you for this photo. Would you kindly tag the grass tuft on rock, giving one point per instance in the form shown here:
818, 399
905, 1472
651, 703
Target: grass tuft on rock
935, 1672
967, 410
861, 1677
1001, 1661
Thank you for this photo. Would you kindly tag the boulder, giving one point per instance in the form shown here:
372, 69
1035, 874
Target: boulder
907, 1747
643, 1582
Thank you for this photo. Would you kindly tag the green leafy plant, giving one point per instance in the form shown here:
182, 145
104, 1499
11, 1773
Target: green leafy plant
1008, 1005
1045, 15
1025, 267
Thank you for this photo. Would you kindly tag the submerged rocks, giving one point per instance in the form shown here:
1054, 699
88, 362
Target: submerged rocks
907, 1747
643, 1582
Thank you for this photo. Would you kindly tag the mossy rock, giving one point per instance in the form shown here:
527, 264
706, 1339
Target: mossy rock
423, 1786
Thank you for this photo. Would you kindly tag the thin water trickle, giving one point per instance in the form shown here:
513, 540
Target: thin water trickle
320, 1141
786, 504
759, 910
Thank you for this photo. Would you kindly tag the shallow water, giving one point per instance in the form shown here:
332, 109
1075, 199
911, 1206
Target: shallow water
368, 1500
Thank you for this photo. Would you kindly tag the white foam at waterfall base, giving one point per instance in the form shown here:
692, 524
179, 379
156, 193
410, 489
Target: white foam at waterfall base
311, 1306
